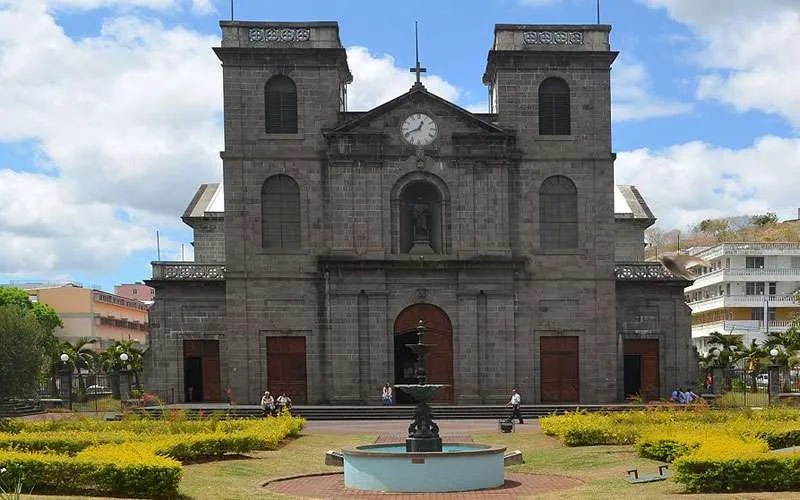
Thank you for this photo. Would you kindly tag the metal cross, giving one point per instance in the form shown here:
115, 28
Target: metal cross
417, 69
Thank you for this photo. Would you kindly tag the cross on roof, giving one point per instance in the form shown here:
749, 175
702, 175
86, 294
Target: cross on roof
417, 68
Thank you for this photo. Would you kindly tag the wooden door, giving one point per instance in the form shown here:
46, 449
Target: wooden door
559, 370
201, 370
438, 331
649, 381
286, 367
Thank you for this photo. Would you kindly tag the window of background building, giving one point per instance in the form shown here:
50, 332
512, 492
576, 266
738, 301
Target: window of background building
757, 313
754, 262
754, 288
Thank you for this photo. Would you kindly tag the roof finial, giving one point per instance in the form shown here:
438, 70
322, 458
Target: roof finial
417, 69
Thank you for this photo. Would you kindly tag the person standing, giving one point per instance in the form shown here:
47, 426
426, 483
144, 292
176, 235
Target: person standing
386, 394
514, 403
267, 403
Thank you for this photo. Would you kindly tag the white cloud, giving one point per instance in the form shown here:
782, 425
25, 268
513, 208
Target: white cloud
689, 182
376, 79
750, 51
632, 98
45, 228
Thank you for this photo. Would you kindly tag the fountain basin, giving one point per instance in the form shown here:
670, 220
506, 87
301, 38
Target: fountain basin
458, 467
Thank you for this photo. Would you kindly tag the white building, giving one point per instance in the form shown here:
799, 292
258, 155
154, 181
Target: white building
744, 278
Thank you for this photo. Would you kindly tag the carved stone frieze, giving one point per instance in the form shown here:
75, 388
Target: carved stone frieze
188, 272
277, 34
643, 271
553, 37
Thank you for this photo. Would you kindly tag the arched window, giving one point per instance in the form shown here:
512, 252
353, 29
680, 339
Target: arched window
554, 116
280, 213
280, 98
558, 213
420, 218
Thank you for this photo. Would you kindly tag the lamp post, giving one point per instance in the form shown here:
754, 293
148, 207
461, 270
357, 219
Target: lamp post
66, 380
124, 379
717, 374
774, 383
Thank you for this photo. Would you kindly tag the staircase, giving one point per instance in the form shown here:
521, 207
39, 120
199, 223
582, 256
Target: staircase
393, 412
19, 408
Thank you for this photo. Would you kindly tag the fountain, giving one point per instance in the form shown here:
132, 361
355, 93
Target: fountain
424, 464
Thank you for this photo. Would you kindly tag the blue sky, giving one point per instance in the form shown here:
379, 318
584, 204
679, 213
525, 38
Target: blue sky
112, 109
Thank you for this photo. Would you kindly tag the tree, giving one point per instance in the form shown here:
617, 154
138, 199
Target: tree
768, 219
22, 353
729, 346
45, 314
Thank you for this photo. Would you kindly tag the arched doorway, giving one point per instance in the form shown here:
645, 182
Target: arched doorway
438, 331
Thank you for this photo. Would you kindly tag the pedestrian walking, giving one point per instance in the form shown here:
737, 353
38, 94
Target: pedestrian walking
514, 403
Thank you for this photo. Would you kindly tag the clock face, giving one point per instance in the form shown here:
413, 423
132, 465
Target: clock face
419, 129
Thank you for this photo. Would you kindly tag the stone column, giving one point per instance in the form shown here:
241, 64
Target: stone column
774, 383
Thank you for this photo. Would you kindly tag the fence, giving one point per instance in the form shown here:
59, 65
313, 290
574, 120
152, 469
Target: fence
747, 387
88, 392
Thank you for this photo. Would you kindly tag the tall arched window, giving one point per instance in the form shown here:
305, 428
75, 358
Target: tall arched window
554, 115
558, 213
280, 213
280, 98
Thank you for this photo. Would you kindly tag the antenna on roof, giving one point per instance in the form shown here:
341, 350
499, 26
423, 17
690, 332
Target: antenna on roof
232, 10
598, 11
158, 246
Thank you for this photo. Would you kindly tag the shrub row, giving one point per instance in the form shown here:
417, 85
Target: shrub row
112, 471
147, 465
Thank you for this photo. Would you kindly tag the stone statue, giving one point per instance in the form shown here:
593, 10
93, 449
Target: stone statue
421, 218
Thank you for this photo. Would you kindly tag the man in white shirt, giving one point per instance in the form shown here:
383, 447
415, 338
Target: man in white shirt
516, 399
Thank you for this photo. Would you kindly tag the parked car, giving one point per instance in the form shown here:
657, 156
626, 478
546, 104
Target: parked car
97, 389
762, 380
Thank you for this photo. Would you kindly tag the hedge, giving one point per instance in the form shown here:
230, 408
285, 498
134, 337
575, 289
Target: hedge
143, 464
110, 469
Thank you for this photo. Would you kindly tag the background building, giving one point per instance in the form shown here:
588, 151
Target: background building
335, 232
86, 312
136, 291
730, 296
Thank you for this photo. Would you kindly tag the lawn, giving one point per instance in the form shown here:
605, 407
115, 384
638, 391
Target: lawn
602, 468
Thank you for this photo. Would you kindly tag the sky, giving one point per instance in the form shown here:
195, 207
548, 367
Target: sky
111, 110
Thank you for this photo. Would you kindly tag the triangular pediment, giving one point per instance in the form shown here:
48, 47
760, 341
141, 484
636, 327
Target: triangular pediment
418, 98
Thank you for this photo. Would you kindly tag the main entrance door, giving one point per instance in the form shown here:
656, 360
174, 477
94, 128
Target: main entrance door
641, 368
439, 367
286, 367
201, 370
559, 369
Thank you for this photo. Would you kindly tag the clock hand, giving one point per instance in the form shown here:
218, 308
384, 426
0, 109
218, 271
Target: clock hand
421, 123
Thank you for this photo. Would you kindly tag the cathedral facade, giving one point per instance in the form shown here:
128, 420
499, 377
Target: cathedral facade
335, 232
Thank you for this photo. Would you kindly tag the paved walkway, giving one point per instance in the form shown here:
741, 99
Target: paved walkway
332, 487
398, 426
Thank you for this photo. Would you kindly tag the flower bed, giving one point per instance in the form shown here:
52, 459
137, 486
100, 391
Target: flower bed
711, 451
135, 457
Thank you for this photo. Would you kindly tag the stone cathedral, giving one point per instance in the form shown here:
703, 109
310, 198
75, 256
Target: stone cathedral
335, 232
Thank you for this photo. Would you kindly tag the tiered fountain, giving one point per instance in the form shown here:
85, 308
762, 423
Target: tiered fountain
423, 464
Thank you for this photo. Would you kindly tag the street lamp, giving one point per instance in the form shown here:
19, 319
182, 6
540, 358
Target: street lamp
773, 353
66, 379
124, 379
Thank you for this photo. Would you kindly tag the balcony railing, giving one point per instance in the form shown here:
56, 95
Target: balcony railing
745, 274
643, 271
721, 301
188, 271
750, 249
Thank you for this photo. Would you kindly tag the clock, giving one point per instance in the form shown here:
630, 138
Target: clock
419, 129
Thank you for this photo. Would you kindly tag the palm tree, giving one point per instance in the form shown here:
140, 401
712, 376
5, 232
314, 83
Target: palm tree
728, 346
753, 358
110, 362
787, 343
81, 357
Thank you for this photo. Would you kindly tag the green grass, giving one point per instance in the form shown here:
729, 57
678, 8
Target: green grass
601, 468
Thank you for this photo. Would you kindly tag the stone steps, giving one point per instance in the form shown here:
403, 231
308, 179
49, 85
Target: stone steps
19, 408
393, 412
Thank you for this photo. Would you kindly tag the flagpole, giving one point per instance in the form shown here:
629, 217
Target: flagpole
231, 10
598, 11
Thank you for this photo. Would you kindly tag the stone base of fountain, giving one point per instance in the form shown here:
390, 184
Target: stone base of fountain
418, 445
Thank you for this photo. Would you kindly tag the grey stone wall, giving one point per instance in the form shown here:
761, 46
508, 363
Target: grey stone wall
657, 310
209, 240
182, 311
629, 240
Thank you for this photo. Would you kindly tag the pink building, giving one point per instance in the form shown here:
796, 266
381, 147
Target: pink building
136, 291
